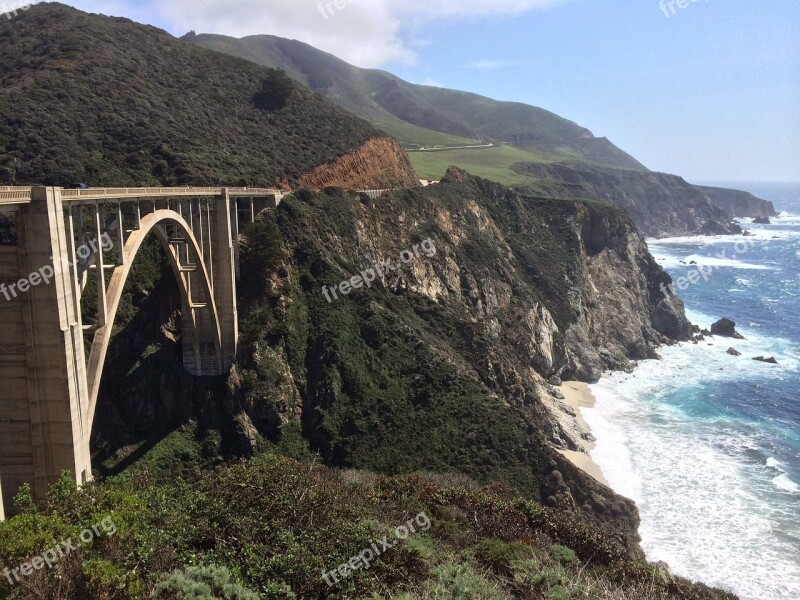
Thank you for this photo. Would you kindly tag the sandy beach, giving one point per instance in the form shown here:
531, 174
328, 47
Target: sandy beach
578, 396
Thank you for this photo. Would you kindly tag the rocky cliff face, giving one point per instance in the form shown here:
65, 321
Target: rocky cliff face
661, 205
444, 362
739, 204
380, 163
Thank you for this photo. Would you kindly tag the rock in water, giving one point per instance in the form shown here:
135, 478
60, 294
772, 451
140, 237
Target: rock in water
734, 352
771, 360
726, 328
762, 221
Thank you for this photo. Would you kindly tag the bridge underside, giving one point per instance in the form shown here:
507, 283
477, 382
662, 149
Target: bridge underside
48, 389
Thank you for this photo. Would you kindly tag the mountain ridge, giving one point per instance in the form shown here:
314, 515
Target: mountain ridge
413, 113
377, 95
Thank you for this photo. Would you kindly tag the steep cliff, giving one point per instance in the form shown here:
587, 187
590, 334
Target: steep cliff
380, 163
443, 363
661, 205
739, 204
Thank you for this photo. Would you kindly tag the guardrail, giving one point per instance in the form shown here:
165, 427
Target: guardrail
9, 196
22, 195
164, 192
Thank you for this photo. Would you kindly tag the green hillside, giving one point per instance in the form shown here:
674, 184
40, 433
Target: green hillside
108, 101
495, 163
395, 105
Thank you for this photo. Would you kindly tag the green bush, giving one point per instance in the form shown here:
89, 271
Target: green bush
460, 582
563, 554
558, 593
499, 556
207, 583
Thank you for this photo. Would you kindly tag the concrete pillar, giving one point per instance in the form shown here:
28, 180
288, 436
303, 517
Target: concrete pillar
224, 268
16, 453
54, 435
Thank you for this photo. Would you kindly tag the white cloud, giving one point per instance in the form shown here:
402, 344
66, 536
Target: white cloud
368, 33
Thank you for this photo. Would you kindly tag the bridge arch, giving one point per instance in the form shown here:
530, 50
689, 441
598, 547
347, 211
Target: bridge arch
200, 320
50, 389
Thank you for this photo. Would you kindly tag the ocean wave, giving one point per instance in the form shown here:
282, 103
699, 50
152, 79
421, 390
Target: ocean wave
773, 463
784, 484
761, 234
728, 263
673, 261
652, 448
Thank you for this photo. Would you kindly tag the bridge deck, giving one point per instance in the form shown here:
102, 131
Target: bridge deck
22, 195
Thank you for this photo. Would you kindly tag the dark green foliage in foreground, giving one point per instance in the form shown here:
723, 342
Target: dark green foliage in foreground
274, 526
110, 102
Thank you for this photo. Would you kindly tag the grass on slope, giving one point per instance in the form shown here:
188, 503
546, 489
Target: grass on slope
410, 135
489, 163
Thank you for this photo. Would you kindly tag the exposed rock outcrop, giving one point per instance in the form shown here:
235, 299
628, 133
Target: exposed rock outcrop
737, 203
381, 163
771, 360
726, 328
661, 205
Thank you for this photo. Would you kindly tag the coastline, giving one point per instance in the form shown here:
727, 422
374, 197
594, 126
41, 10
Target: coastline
578, 395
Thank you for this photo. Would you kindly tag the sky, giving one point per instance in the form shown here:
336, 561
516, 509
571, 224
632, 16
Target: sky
710, 91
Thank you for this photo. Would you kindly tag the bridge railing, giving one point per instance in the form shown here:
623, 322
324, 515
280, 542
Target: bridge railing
22, 194
15, 195
163, 192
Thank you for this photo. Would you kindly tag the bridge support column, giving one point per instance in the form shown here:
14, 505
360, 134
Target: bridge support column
44, 426
224, 267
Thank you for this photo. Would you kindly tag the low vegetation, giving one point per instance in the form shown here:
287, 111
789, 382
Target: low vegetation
270, 527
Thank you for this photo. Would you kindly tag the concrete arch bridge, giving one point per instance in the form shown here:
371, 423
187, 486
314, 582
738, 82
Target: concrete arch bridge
64, 237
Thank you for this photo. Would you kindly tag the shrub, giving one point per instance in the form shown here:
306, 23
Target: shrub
563, 554
206, 583
499, 556
460, 582
558, 593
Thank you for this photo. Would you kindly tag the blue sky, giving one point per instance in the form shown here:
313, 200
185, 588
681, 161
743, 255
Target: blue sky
711, 92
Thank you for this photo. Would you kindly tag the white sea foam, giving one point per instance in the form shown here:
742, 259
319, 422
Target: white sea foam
772, 463
756, 237
783, 483
673, 261
703, 508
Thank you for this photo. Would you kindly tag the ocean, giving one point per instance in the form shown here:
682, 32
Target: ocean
708, 444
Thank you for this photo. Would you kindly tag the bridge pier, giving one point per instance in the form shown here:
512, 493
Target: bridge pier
224, 265
44, 427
